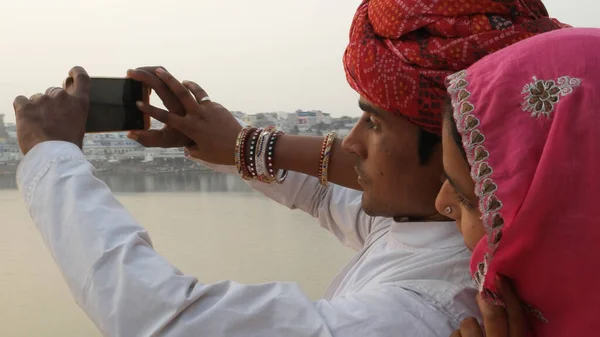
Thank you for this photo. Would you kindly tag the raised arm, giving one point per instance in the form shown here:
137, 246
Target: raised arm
216, 130
128, 290
209, 131
107, 259
302, 154
123, 285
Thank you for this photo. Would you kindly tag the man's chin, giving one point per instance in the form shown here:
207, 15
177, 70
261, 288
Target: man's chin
378, 208
370, 212
373, 208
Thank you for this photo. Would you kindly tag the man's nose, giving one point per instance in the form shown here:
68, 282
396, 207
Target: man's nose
352, 143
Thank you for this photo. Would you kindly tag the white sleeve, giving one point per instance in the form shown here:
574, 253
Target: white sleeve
337, 209
128, 290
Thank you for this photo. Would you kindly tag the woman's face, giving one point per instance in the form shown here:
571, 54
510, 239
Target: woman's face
458, 192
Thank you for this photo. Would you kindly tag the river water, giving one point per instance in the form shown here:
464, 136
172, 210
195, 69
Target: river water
209, 225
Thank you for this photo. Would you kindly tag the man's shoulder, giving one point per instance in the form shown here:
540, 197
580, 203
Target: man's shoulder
424, 235
429, 261
387, 310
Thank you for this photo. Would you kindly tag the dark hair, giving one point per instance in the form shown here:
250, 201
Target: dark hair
427, 143
452, 126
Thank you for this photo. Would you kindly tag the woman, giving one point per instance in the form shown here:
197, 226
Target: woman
521, 157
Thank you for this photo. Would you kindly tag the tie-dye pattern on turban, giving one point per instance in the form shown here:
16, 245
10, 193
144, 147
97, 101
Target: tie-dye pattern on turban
401, 51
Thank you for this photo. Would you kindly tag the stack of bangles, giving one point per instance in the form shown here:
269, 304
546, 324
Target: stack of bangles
255, 154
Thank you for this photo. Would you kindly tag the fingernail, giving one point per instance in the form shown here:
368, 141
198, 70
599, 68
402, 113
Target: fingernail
160, 71
485, 305
139, 104
132, 135
500, 283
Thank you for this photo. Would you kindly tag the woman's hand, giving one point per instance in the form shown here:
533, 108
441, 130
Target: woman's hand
166, 137
497, 321
208, 125
209, 131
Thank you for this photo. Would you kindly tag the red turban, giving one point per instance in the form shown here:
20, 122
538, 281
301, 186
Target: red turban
401, 51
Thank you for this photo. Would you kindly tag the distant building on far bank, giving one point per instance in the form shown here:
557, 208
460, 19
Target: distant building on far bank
3, 131
115, 147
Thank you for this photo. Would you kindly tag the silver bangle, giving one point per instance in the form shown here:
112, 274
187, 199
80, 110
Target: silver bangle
260, 162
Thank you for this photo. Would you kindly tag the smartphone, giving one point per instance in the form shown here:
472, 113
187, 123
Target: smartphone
113, 105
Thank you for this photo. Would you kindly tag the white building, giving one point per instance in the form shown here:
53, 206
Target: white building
107, 146
324, 118
249, 119
287, 121
308, 120
238, 114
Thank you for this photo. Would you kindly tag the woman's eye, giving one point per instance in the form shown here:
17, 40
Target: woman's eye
464, 201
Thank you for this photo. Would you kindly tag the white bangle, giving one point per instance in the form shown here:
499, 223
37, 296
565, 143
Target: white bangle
262, 172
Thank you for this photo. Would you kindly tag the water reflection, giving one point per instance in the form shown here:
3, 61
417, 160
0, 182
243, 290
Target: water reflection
191, 181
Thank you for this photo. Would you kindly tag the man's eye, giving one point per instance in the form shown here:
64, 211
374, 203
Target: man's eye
370, 123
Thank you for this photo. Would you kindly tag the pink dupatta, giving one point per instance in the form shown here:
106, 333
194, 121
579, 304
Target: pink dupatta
529, 117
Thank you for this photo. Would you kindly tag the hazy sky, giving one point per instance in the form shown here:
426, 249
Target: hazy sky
250, 55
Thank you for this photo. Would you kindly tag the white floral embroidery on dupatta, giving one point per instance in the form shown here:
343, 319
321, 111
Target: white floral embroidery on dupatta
542, 96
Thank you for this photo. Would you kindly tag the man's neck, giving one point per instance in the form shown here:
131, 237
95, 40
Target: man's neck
431, 218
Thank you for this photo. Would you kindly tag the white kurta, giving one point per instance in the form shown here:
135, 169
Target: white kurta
408, 279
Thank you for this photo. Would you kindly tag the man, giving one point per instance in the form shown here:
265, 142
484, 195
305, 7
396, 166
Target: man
405, 281
127, 289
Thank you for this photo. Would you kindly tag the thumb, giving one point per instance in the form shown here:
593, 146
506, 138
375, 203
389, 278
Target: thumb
151, 138
168, 118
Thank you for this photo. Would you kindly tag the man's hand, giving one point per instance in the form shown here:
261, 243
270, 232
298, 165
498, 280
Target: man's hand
497, 321
167, 136
59, 114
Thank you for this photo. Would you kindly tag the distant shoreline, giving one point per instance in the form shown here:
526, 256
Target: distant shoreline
162, 166
148, 181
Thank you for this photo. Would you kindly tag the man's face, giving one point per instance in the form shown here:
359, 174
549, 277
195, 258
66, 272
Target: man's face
394, 183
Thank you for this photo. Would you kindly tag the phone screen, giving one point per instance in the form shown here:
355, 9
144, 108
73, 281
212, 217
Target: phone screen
112, 105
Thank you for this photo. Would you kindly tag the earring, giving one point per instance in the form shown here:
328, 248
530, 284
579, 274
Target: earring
448, 210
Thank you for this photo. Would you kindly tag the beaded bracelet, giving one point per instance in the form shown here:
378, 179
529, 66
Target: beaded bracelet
260, 158
325, 156
246, 173
270, 159
240, 151
252, 150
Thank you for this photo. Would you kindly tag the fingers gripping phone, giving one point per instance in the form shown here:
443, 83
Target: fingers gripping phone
113, 105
